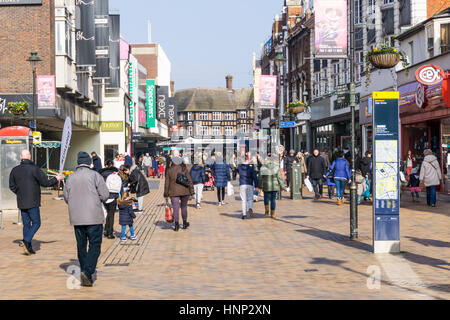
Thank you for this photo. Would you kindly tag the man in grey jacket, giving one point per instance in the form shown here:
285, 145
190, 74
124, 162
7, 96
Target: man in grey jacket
84, 192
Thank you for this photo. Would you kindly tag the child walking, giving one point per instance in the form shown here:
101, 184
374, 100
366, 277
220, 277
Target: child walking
126, 216
414, 183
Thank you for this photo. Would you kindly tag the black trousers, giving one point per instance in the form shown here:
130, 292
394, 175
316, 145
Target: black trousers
288, 178
88, 258
220, 194
109, 224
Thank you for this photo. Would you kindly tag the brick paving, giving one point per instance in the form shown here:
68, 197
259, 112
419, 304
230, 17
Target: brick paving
303, 254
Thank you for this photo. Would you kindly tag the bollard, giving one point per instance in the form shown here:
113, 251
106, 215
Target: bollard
296, 182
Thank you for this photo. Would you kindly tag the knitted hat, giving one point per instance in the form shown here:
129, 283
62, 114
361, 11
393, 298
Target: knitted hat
84, 158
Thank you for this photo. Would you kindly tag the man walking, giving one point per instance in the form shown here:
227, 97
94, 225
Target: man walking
96, 161
288, 162
85, 191
25, 181
147, 163
316, 171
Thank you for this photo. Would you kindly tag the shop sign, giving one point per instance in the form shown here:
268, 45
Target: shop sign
151, 103
420, 95
429, 74
112, 126
37, 137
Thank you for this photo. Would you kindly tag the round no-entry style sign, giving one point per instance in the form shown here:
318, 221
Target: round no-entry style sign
429, 74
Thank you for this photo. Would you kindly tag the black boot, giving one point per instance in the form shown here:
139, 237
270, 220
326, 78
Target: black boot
177, 226
30, 248
26, 247
185, 224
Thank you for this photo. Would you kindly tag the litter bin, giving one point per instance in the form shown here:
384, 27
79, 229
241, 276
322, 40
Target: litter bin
296, 182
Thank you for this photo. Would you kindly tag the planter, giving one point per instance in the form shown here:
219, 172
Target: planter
17, 113
296, 110
384, 60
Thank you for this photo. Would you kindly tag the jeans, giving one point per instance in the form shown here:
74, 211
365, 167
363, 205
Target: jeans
220, 194
317, 185
288, 178
234, 172
331, 191
198, 188
124, 228
147, 171
340, 187
31, 219
246, 192
88, 258
111, 210
359, 198
431, 195
270, 198
177, 204
140, 203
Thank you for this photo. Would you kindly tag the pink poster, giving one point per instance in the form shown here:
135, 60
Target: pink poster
331, 29
268, 92
46, 91
142, 118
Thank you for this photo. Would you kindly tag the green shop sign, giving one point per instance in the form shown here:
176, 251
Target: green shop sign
151, 105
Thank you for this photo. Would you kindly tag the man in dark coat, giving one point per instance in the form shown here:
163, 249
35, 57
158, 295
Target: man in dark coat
139, 186
25, 181
316, 171
288, 162
108, 169
128, 160
97, 162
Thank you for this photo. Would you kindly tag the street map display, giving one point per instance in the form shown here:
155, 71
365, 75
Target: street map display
386, 170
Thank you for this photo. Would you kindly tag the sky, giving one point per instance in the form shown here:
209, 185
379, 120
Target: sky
204, 39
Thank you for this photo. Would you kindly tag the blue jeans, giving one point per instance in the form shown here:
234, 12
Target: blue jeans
340, 187
31, 219
88, 258
270, 198
124, 228
317, 185
431, 195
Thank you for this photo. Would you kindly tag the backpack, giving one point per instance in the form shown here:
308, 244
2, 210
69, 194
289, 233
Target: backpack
114, 183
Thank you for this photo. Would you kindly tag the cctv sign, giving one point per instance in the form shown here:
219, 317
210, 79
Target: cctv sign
429, 74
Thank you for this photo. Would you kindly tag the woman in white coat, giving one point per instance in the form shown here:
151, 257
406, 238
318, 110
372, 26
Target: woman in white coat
430, 175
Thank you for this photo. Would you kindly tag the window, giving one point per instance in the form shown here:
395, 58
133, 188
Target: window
359, 65
336, 68
64, 37
445, 37
388, 1
358, 11
229, 116
411, 52
371, 7
110, 151
430, 40
317, 77
217, 116
189, 116
229, 131
190, 131
203, 116
243, 128
243, 114
216, 131
204, 130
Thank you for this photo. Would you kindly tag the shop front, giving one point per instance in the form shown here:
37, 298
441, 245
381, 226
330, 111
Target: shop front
365, 119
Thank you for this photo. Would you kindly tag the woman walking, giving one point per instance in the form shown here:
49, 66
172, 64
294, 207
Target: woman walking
178, 187
270, 181
248, 180
139, 186
198, 176
430, 175
342, 175
221, 173
410, 163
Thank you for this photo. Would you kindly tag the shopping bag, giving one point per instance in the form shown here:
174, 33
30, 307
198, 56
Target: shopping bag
169, 213
105, 213
308, 185
230, 189
366, 193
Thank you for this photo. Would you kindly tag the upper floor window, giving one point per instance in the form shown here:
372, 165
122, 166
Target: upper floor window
243, 128
204, 130
190, 131
445, 37
243, 114
216, 131
358, 12
371, 7
229, 116
229, 131
217, 116
181, 116
189, 116
203, 116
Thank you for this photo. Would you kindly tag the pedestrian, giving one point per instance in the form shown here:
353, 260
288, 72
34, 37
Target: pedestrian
360, 182
147, 164
270, 181
430, 175
128, 160
124, 173
317, 170
410, 163
342, 175
288, 162
114, 183
25, 181
414, 184
282, 164
221, 173
234, 166
248, 182
118, 161
366, 167
96, 161
108, 169
126, 216
139, 186
325, 157
331, 185
178, 187
155, 167
198, 176
85, 192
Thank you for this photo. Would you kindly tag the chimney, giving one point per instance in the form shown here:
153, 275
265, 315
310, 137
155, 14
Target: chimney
229, 80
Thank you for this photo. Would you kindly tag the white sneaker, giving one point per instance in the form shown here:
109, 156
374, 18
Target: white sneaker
223, 203
288, 190
198, 206
220, 204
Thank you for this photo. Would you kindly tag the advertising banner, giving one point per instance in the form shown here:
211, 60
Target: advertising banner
162, 93
133, 90
331, 29
65, 143
46, 91
386, 190
102, 39
85, 33
268, 92
142, 120
172, 112
151, 104
114, 51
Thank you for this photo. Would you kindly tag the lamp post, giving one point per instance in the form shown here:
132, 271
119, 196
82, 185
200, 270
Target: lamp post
279, 60
34, 60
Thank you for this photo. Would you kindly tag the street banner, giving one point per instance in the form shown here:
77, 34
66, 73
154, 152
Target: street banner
65, 143
267, 92
114, 51
85, 33
330, 29
133, 89
46, 91
102, 39
172, 112
386, 164
162, 101
151, 104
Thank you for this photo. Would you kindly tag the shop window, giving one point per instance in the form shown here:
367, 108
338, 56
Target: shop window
110, 151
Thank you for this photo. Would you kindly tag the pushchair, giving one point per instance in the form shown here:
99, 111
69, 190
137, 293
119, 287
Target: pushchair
210, 180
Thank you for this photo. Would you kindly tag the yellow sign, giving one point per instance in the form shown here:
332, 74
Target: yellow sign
8, 141
37, 137
112, 126
386, 95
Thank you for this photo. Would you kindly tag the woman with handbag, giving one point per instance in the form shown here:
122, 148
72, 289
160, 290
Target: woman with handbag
430, 175
178, 187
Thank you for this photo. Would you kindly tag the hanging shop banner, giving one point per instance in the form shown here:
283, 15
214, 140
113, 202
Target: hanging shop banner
133, 87
330, 29
386, 191
172, 112
114, 51
65, 143
102, 39
162, 93
46, 91
151, 104
268, 92
85, 33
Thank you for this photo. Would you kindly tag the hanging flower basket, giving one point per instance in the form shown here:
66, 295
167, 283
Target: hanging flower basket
18, 108
296, 107
385, 60
296, 110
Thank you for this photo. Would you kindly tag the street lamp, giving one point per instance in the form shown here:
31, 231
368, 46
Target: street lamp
279, 61
34, 60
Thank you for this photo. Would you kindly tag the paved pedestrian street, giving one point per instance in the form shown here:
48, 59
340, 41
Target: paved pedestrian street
303, 254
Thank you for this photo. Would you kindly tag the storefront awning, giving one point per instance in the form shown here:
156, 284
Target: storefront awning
49, 144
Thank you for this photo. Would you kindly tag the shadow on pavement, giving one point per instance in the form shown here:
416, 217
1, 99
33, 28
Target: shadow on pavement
419, 259
337, 238
430, 242
239, 215
36, 244
163, 225
66, 265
